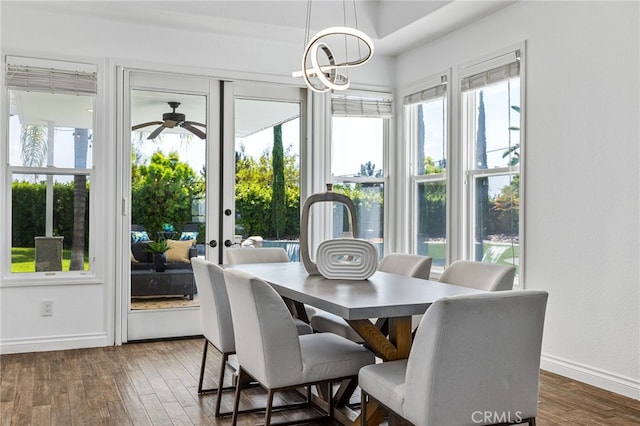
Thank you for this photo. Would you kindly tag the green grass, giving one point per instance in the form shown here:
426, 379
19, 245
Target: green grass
23, 259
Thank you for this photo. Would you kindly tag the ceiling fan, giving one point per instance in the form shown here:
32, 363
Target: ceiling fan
171, 120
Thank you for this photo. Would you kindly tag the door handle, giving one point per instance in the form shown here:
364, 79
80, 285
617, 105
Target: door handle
228, 243
213, 243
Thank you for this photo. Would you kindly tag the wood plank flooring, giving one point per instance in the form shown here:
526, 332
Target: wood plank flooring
154, 383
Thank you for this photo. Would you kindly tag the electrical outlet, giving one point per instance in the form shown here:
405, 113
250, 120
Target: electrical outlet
46, 308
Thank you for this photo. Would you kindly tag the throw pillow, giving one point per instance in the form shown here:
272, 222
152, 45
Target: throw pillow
137, 236
188, 235
179, 251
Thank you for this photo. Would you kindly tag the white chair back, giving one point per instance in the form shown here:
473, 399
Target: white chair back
474, 353
215, 313
267, 343
256, 255
479, 275
411, 265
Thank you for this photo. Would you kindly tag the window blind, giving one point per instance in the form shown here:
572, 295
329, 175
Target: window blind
495, 70
428, 94
356, 106
37, 79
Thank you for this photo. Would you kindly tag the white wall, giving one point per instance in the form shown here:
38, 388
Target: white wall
85, 314
582, 172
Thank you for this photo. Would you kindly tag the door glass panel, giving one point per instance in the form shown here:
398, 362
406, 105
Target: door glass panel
168, 152
267, 186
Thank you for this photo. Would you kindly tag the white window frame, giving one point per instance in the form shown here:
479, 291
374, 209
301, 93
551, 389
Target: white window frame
432, 88
359, 103
62, 77
459, 196
485, 69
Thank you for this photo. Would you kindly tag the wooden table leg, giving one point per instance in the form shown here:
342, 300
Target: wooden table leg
397, 346
375, 414
297, 309
400, 335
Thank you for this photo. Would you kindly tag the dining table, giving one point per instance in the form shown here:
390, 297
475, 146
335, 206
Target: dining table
389, 299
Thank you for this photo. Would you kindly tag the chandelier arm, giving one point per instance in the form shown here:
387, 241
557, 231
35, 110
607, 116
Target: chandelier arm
328, 76
330, 83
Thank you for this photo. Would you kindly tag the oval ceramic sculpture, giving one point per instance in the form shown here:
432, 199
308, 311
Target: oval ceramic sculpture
347, 259
329, 196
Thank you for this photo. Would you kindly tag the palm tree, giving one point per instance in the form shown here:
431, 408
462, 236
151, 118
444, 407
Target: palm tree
33, 139
81, 145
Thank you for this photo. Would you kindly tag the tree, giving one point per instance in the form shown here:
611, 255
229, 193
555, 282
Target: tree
278, 207
162, 191
369, 169
482, 184
514, 150
423, 216
33, 140
253, 193
81, 146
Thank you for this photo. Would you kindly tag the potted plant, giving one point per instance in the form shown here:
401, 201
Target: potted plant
158, 249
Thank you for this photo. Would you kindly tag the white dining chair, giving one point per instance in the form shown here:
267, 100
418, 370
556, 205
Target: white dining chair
238, 256
411, 265
472, 355
479, 275
269, 349
217, 325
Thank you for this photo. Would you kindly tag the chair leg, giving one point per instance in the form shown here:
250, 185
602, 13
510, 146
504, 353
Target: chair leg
203, 365
267, 414
363, 408
236, 403
330, 400
223, 365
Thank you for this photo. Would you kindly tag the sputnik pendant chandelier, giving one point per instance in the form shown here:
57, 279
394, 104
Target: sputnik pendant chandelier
322, 74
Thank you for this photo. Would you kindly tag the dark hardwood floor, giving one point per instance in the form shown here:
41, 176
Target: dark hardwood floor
155, 383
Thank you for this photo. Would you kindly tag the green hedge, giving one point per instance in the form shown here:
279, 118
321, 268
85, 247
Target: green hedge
29, 210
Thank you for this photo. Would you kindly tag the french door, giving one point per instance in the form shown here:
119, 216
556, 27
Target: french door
170, 162
263, 150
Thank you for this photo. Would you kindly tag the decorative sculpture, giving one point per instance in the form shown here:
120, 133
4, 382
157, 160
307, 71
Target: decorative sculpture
337, 247
347, 259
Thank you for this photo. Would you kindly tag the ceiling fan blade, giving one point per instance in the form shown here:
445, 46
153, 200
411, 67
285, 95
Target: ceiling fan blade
194, 123
156, 132
199, 133
140, 126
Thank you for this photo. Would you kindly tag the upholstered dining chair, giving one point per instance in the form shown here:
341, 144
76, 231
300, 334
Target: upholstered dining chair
269, 349
479, 275
263, 255
476, 362
217, 325
411, 265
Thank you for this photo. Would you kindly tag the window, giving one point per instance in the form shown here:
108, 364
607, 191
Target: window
50, 163
359, 129
490, 99
426, 115
465, 186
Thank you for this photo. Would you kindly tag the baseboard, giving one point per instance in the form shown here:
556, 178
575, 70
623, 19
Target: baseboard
54, 343
626, 386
